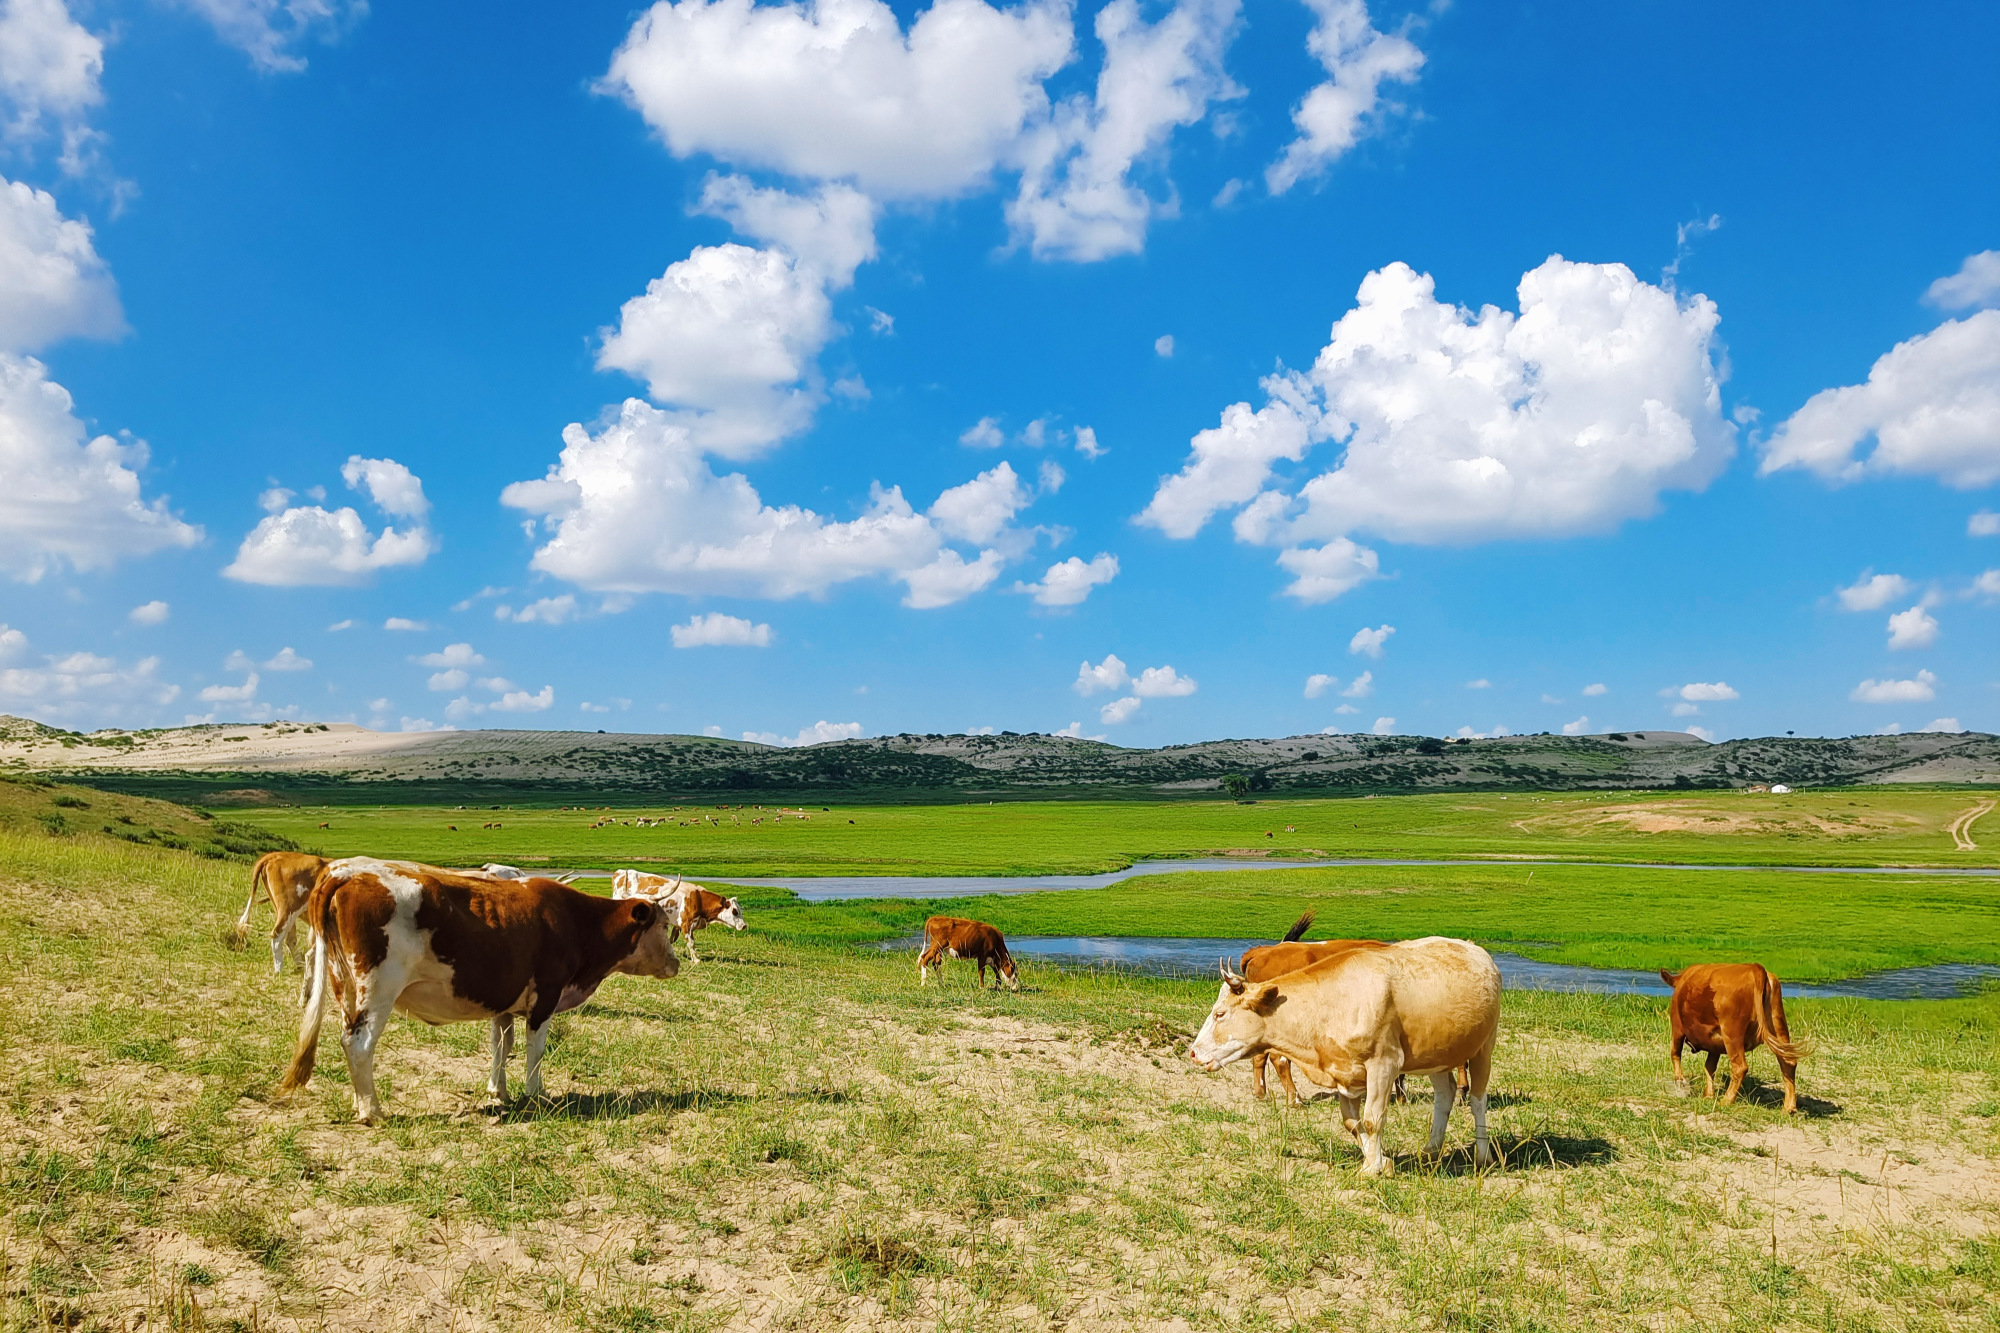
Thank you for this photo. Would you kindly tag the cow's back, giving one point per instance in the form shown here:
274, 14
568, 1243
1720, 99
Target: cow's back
1275, 960
1446, 997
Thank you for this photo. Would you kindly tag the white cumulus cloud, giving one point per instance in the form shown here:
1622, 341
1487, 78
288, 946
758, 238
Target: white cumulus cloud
1384, 726
1370, 641
1931, 404
53, 285
1336, 114
1578, 727
1947, 724
1985, 523
635, 508
1069, 582
50, 73
1162, 682
270, 31
1872, 592
150, 613
1109, 675
1919, 690
1319, 683
1360, 687
311, 546
1706, 692
1118, 710
452, 655
1594, 690
68, 500
1077, 199
1977, 283
1322, 573
81, 687
542, 611
402, 624
984, 433
231, 693
1914, 628
716, 630
819, 733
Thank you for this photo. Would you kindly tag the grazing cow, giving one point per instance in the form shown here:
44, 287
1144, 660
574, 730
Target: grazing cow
449, 948
1731, 1009
1358, 1019
692, 907
286, 878
956, 937
493, 870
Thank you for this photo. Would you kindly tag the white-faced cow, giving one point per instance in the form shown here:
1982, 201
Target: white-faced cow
450, 948
975, 941
286, 878
693, 907
1357, 1020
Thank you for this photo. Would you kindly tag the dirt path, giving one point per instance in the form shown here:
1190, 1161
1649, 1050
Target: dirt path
1961, 828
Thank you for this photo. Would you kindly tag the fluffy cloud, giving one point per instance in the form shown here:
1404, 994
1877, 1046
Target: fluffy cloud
635, 508
50, 69
452, 655
1977, 283
1337, 113
310, 546
1946, 724
1578, 727
1076, 199
1163, 346
1919, 690
1319, 683
1068, 582
1987, 585
716, 630
1702, 733
1872, 592
1702, 693
399, 623
1481, 684
836, 90
1566, 419
984, 433
269, 31
1370, 641
1118, 710
1985, 523
53, 285
1931, 404
67, 500
445, 682
830, 233
819, 733
1162, 682
77, 687
1914, 628
150, 613
1360, 687
1594, 690
542, 611
1108, 675
511, 700
231, 694
288, 659
1384, 726
1322, 573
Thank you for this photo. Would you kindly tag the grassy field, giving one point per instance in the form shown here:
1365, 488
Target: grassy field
1806, 927
1872, 826
792, 1136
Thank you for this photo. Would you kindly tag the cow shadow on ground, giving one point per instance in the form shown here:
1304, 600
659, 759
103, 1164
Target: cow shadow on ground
1552, 1152
1771, 1096
612, 1105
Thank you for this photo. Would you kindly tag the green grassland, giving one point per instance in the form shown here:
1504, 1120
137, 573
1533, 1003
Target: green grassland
1806, 927
60, 809
1867, 826
793, 1136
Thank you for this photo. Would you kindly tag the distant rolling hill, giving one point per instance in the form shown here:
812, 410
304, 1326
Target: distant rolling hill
283, 761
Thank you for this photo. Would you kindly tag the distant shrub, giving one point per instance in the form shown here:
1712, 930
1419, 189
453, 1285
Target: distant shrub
68, 802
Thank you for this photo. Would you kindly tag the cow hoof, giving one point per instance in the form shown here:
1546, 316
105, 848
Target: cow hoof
1382, 1168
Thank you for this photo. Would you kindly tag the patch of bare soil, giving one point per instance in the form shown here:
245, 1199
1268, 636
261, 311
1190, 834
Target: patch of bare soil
1705, 818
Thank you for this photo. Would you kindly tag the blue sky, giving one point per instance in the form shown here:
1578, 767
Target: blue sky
798, 372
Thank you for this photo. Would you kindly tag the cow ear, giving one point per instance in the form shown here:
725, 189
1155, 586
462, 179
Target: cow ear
1265, 997
643, 912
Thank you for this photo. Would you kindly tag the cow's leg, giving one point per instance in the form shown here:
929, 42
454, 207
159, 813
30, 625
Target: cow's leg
503, 1046
1382, 1071
1257, 1062
693, 957
1714, 1057
1739, 1065
1402, 1092
1444, 1091
531, 1062
1285, 1077
1478, 1071
1789, 1073
981, 963
358, 1039
1350, 1112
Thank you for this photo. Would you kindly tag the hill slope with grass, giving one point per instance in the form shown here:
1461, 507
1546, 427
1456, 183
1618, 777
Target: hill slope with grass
252, 764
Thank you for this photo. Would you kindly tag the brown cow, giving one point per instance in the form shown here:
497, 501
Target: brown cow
956, 937
286, 878
1731, 1009
451, 948
690, 907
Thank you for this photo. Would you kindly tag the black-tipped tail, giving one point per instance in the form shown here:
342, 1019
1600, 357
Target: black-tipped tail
1299, 929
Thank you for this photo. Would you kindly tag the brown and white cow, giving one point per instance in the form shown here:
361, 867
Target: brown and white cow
1275, 960
1360, 1018
957, 937
286, 878
693, 907
448, 948
1731, 1009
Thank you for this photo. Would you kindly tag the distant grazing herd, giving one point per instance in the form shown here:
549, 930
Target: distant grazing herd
493, 944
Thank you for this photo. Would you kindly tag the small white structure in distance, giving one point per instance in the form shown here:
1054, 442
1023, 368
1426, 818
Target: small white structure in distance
1780, 789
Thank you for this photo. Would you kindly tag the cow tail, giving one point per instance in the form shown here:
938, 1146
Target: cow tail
1767, 1028
1670, 978
1299, 929
324, 929
240, 932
